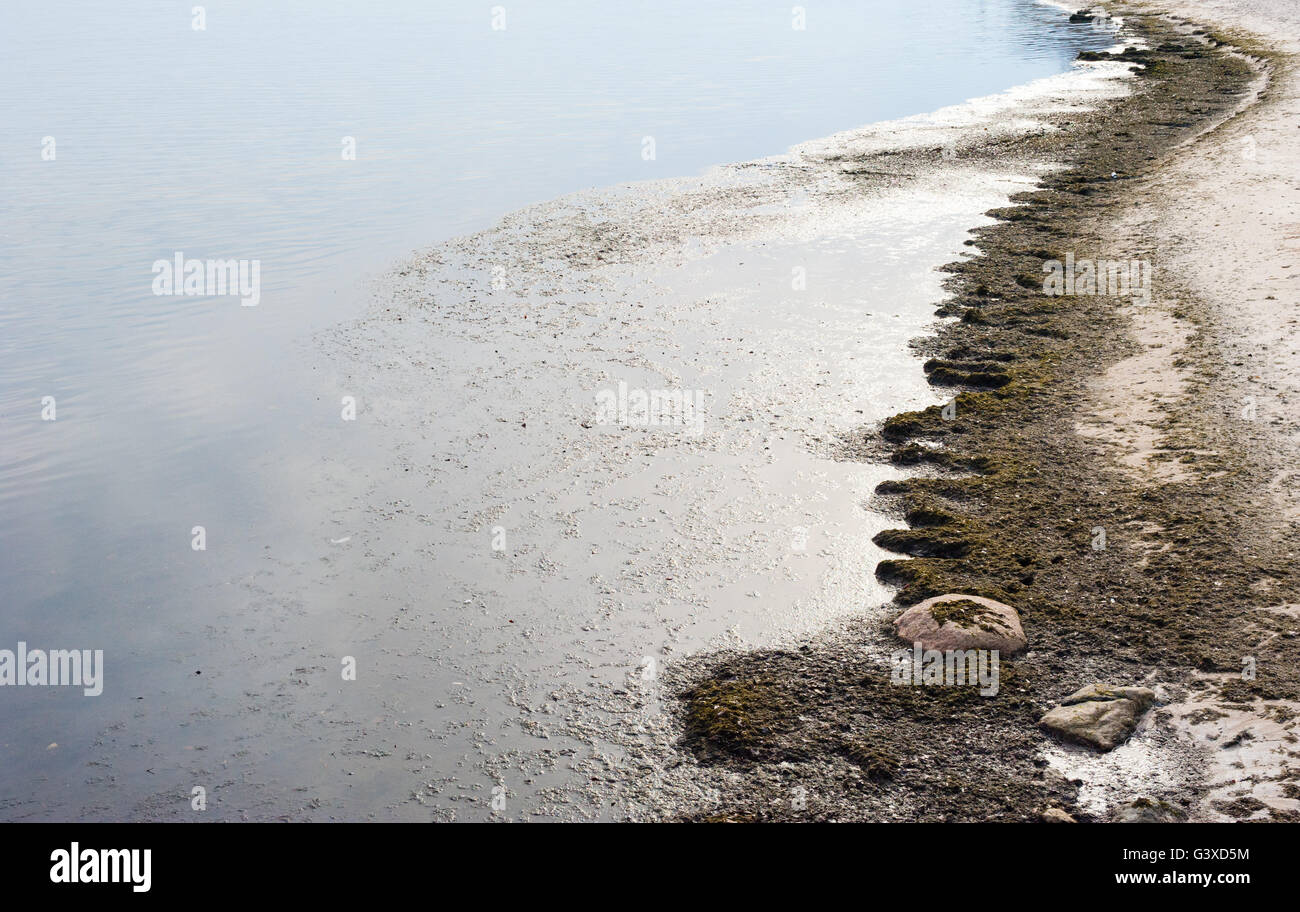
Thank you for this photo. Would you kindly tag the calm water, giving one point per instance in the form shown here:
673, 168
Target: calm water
227, 142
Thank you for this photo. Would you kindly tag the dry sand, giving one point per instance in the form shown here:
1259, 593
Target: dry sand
1222, 223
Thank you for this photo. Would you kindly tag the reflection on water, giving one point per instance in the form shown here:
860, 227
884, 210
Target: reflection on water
233, 142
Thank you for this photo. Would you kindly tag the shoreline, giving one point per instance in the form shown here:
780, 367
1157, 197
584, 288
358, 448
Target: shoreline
1006, 509
625, 549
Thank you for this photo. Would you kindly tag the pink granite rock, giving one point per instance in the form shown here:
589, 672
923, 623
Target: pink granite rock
955, 621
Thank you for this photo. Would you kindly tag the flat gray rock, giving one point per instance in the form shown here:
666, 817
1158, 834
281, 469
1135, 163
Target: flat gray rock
1099, 715
956, 621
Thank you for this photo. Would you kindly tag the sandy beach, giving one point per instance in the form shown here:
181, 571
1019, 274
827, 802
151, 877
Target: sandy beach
1223, 217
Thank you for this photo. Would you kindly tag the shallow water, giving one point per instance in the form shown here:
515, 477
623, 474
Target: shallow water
373, 539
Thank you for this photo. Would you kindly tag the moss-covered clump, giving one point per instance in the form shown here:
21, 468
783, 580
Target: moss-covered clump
876, 761
733, 716
968, 614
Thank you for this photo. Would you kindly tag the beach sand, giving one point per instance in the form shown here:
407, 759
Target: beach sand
1222, 220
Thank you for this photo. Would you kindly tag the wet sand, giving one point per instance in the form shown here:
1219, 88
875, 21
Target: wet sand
785, 292
554, 570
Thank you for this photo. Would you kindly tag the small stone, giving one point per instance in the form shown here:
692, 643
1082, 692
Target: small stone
1056, 815
1099, 715
956, 621
1144, 810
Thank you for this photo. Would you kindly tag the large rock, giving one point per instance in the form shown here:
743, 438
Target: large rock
1099, 715
956, 621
